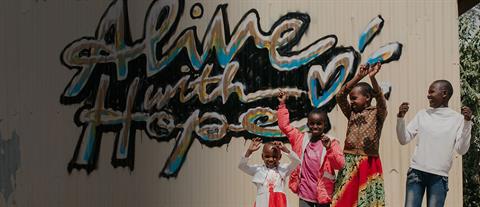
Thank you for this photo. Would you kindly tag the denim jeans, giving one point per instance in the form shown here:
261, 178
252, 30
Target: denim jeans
419, 181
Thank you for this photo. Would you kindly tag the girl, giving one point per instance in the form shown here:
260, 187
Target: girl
320, 154
270, 177
360, 183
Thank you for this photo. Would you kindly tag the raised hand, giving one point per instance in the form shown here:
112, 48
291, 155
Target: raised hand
363, 71
326, 141
282, 96
402, 110
375, 69
467, 113
281, 146
254, 146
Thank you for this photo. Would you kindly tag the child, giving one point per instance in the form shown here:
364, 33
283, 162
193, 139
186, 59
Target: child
320, 153
270, 177
360, 183
440, 130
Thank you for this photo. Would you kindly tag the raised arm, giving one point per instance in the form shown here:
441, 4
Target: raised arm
294, 160
345, 90
378, 94
462, 142
284, 119
406, 134
243, 164
335, 154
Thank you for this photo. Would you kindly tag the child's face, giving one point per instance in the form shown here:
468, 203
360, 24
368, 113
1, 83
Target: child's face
271, 156
436, 96
358, 101
316, 124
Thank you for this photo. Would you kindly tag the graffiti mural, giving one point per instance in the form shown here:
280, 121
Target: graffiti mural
211, 87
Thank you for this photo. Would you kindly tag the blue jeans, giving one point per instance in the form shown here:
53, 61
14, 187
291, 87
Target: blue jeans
419, 181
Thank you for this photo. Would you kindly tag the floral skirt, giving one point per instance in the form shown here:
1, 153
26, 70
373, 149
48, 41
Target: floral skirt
360, 182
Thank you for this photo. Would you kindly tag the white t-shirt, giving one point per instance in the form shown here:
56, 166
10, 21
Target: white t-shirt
439, 132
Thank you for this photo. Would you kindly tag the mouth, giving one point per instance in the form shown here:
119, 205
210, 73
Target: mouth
355, 108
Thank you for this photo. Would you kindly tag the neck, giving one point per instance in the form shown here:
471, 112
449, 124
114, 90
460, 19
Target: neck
315, 138
445, 105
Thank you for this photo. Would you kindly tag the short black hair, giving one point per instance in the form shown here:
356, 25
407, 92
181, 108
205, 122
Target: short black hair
324, 115
366, 89
276, 152
445, 85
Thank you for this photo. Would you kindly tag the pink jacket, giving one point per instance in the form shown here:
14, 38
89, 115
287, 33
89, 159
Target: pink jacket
332, 160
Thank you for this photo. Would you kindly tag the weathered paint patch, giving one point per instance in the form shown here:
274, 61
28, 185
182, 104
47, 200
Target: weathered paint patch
10, 163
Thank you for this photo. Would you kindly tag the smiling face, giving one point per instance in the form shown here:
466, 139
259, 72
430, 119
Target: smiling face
437, 95
359, 100
316, 124
271, 155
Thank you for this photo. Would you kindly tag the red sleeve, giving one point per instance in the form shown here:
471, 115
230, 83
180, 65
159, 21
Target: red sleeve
293, 134
335, 154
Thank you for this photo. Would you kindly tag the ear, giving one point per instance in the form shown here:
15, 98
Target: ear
444, 94
369, 97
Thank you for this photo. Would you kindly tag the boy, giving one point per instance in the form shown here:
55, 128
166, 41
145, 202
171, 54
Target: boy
440, 130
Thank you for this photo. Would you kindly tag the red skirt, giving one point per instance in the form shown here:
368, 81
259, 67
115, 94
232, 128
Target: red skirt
275, 199
360, 183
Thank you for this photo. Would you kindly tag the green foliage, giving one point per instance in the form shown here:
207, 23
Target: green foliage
469, 32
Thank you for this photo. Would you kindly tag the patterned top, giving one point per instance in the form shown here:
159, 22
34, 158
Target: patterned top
365, 127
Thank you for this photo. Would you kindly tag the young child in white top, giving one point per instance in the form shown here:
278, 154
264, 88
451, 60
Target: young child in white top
270, 177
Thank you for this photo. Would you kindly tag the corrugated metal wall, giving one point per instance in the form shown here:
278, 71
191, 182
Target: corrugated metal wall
35, 32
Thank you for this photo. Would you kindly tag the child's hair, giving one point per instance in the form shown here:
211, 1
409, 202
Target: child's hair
324, 115
445, 85
366, 89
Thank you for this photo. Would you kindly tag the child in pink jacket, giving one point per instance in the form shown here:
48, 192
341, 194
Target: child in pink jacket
313, 181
